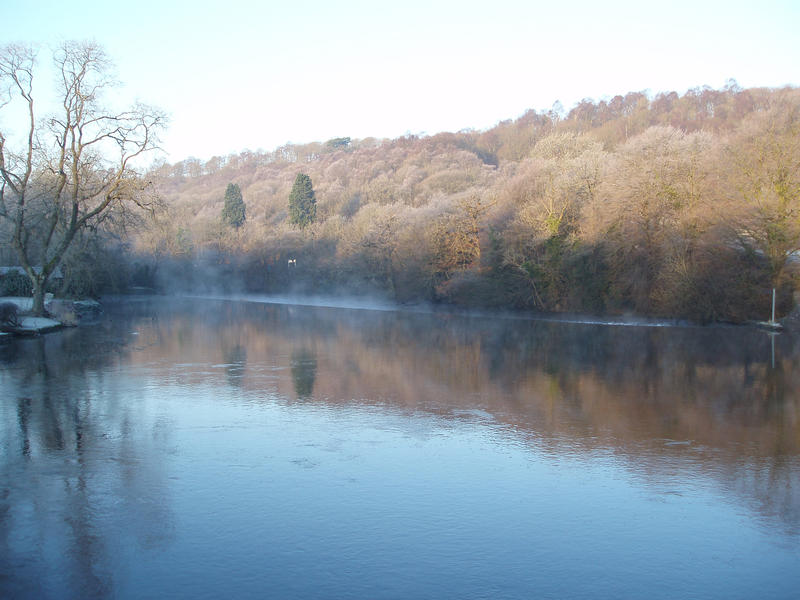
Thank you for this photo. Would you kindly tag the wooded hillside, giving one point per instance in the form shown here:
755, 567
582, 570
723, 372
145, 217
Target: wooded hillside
683, 206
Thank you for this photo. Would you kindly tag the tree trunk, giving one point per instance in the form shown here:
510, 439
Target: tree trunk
39, 285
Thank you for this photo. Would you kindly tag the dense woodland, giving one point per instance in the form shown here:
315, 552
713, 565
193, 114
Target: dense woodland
662, 205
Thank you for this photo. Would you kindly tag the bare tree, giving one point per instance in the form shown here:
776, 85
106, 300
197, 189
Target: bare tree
764, 175
548, 194
73, 169
647, 214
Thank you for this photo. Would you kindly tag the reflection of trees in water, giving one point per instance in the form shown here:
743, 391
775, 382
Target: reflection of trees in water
628, 388
66, 446
235, 359
304, 372
722, 374
774, 482
624, 388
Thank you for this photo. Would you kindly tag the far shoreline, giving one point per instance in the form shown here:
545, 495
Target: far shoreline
383, 304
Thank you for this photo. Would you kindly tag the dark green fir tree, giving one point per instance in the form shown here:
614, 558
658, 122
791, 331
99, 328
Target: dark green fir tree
233, 213
302, 202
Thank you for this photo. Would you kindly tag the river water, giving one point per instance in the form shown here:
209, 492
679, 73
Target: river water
238, 449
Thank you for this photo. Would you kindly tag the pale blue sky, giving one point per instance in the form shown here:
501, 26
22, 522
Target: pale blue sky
237, 74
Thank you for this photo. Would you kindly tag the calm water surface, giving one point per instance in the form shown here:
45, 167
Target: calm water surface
230, 449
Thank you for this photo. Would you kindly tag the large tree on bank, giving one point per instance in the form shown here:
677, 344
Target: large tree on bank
764, 178
302, 202
73, 169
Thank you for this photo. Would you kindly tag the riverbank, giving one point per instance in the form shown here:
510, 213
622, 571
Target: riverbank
790, 322
61, 313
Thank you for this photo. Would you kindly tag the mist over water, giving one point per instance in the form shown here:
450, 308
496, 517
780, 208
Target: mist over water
361, 302
225, 448
331, 301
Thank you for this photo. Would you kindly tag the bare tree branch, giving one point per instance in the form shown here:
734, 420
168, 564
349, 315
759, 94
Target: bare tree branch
52, 191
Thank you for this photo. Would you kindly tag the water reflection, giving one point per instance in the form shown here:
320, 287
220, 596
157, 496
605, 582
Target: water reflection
632, 389
130, 416
64, 455
304, 372
235, 357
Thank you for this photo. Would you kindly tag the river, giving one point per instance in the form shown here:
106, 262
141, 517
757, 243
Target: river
210, 448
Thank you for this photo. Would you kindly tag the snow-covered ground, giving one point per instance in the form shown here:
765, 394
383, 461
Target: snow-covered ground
37, 324
23, 304
29, 324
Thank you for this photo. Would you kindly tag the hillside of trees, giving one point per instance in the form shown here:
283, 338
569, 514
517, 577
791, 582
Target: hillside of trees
670, 205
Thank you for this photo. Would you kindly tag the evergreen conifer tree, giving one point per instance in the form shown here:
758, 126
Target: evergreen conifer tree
302, 202
233, 213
